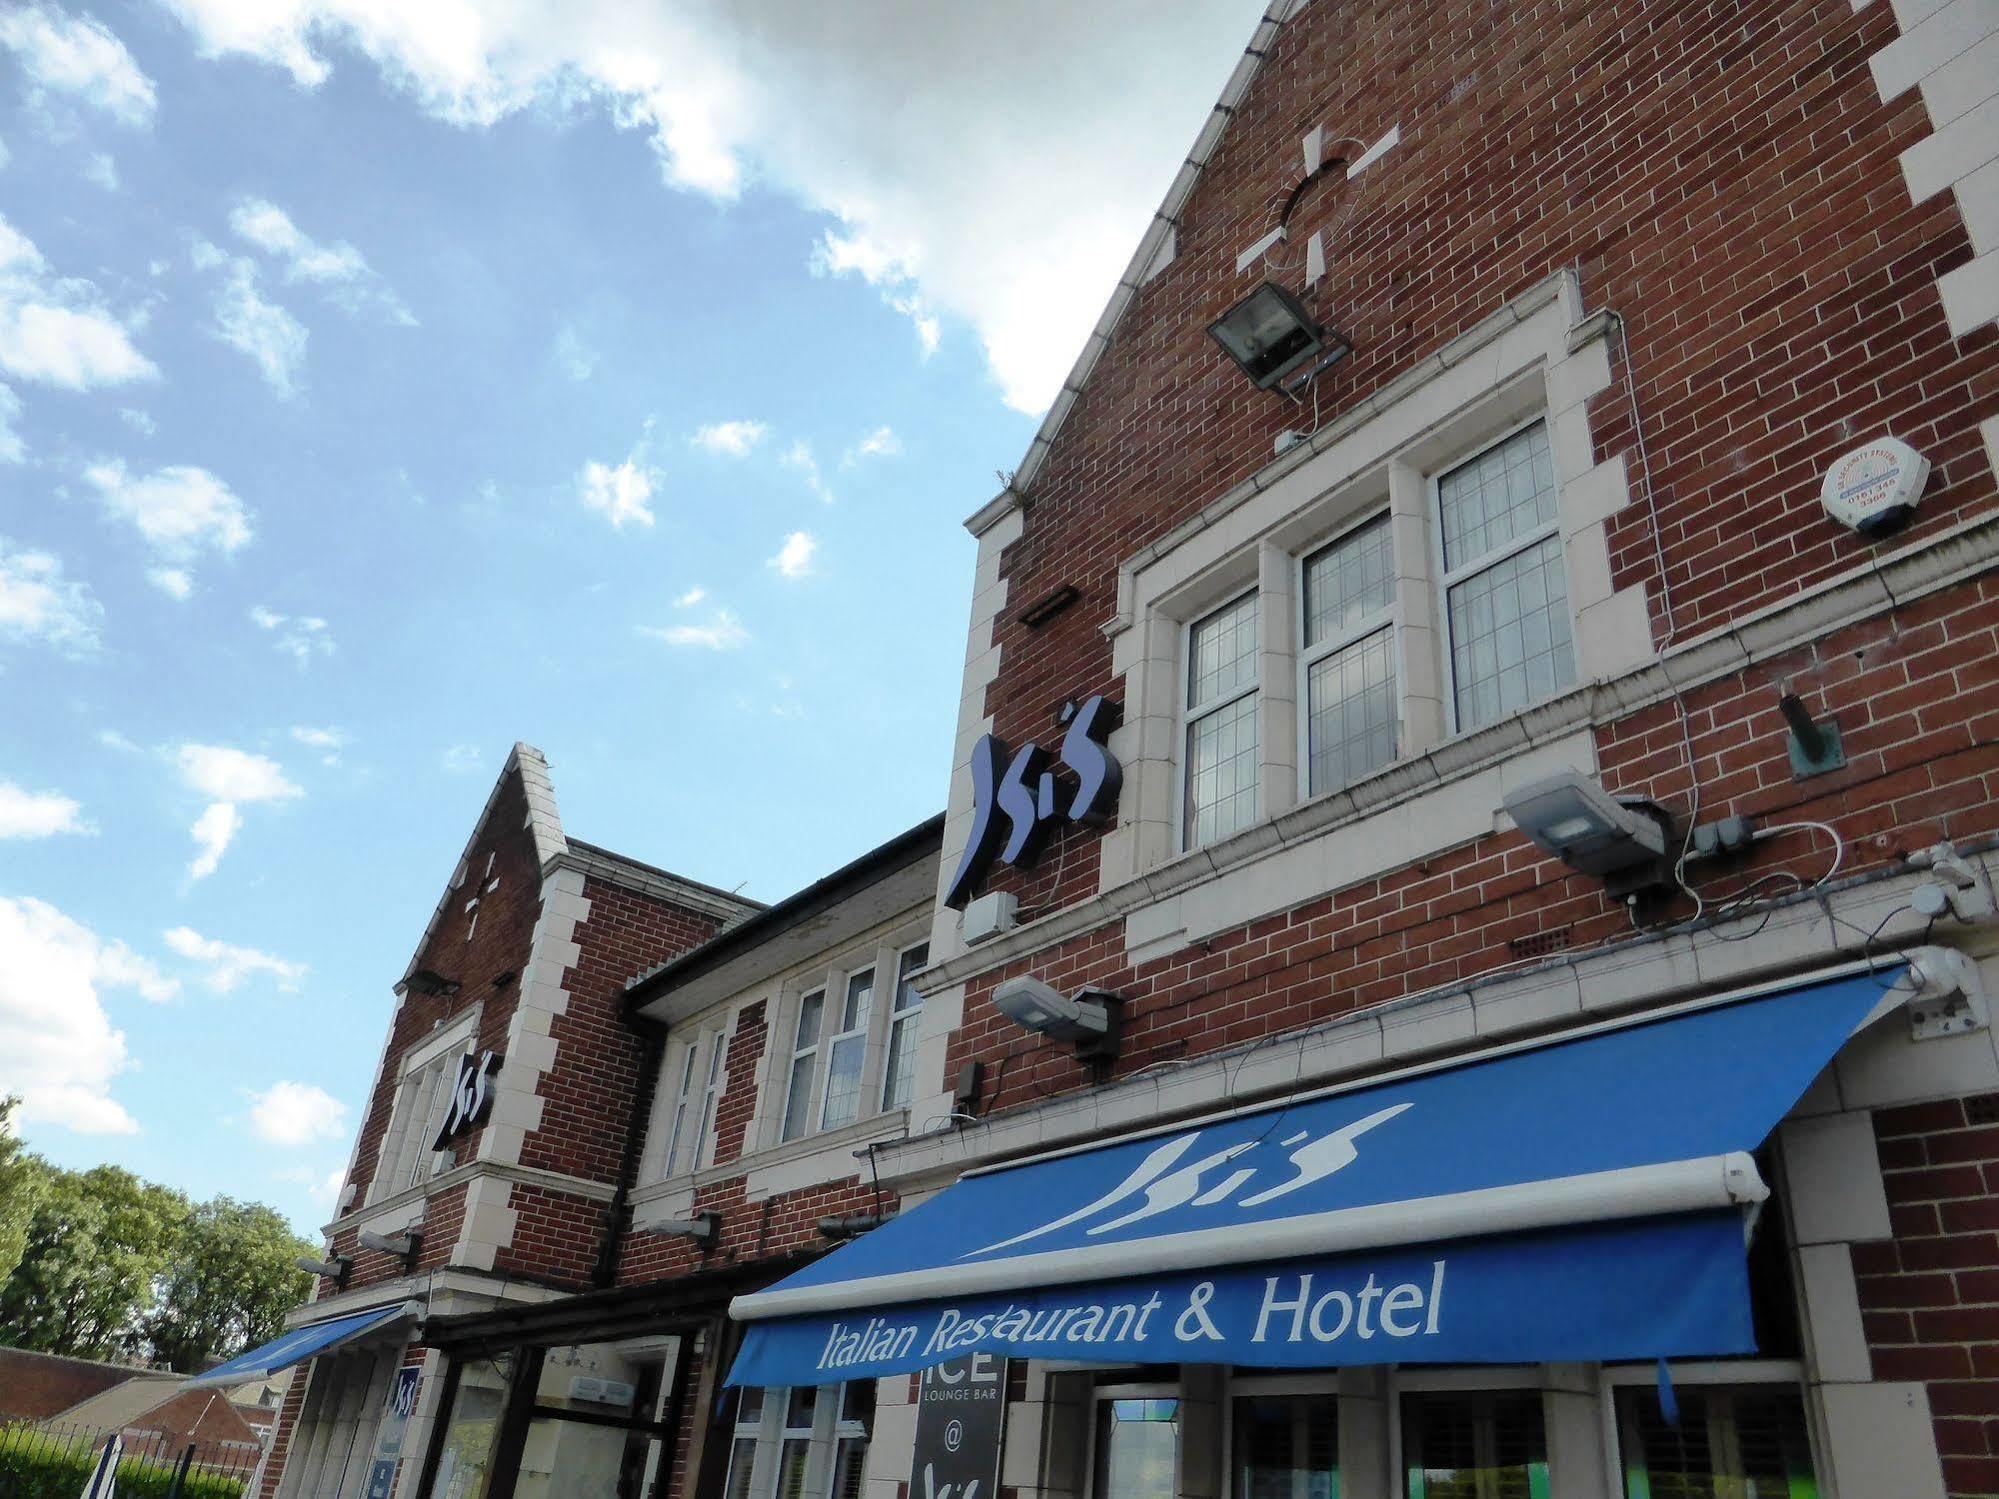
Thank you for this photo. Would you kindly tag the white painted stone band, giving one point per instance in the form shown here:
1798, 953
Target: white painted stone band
1693, 1186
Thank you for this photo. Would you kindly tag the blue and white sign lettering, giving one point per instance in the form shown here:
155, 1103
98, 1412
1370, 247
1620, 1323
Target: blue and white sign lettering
1654, 1288
1588, 1184
1018, 796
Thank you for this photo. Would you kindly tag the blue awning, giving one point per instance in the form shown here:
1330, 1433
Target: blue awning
298, 1345
1574, 1200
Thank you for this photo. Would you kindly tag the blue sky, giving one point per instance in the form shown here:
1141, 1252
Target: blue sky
377, 389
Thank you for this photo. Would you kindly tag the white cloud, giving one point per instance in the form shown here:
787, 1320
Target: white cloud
228, 965
271, 336
40, 606
58, 1048
620, 494
1006, 196
794, 558
730, 439
56, 330
78, 56
800, 458
322, 1186
329, 742
227, 779
301, 637
340, 268
213, 831
690, 598
460, 758
112, 739
294, 1114
12, 448
722, 632
139, 421
174, 582
37, 814
180, 511
880, 443
103, 171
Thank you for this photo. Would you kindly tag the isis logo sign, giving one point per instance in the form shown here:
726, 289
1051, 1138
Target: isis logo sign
1017, 798
471, 1096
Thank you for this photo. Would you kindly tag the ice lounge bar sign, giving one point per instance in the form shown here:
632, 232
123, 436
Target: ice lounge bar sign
960, 1419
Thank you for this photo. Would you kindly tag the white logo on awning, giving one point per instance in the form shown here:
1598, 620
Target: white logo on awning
1167, 1185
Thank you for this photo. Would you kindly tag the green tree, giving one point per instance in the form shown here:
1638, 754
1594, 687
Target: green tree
22, 1178
96, 1242
231, 1281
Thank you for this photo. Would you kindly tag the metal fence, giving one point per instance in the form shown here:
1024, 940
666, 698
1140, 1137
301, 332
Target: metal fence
53, 1460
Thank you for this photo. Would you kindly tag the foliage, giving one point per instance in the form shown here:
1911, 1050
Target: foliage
110, 1265
96, 1241
22, 1180
233, 1276
31, 1467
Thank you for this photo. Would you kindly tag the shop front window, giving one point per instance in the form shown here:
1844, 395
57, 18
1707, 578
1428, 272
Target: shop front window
1478, 1445
1285, 1446
1741, 1442
595, 1431
1138, 1441
801, 1443
467, 1448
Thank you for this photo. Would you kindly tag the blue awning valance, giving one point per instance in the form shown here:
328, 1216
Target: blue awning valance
1574, 1200
298, 1345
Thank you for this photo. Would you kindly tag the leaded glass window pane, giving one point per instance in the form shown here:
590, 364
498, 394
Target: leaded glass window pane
1511, 642
1507, 491
1221, 772
1352, 707
1221, 651
1349, 581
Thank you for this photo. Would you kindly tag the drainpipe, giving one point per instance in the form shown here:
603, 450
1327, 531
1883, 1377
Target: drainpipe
652, 1040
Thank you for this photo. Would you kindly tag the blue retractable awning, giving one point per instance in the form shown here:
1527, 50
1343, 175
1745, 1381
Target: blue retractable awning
1579, 1200
296, 1346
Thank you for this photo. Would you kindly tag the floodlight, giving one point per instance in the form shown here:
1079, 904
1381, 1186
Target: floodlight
1047, 1010
1269, 333
1572, 816
334, 1269
702, 1230
404, 1246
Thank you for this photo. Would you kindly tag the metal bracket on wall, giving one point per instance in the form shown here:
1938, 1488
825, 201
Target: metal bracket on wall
1948, 995
1814, 745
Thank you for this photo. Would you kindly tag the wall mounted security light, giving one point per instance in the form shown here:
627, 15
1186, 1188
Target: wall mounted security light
1269, 334
427, 981
405, 1246
1089, 1017
1572, 816
843, 1226
702, 1230
334, 1269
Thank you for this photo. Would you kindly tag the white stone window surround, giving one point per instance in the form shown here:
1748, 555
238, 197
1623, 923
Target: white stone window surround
691, 1050
393, 1158
879, 954
1514, 369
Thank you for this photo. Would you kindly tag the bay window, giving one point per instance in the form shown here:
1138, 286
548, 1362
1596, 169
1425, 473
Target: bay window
801, 1443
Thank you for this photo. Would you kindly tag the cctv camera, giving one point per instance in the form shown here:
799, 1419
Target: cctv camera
1040, 1007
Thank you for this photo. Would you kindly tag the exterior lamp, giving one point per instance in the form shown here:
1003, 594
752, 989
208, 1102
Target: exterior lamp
1269, 334
701, 1230
1572, 816
334, 1269
405, 1246
1089, 1017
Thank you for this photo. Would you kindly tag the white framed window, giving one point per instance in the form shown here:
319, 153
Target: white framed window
685, 1104
847, 1053
703, 1140
804, 1071
423, 1094
1347, 657
801, 1443
1135, 1441
1489, 1443
905, 1029
1504, 581
1220, 739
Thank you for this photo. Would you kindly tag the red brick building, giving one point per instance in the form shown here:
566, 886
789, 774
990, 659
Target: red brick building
1493, 686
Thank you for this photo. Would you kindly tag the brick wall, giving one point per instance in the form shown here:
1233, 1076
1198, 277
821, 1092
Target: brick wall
486, 966
1724, 177
35, 1385
281, 1437
1930, 1295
